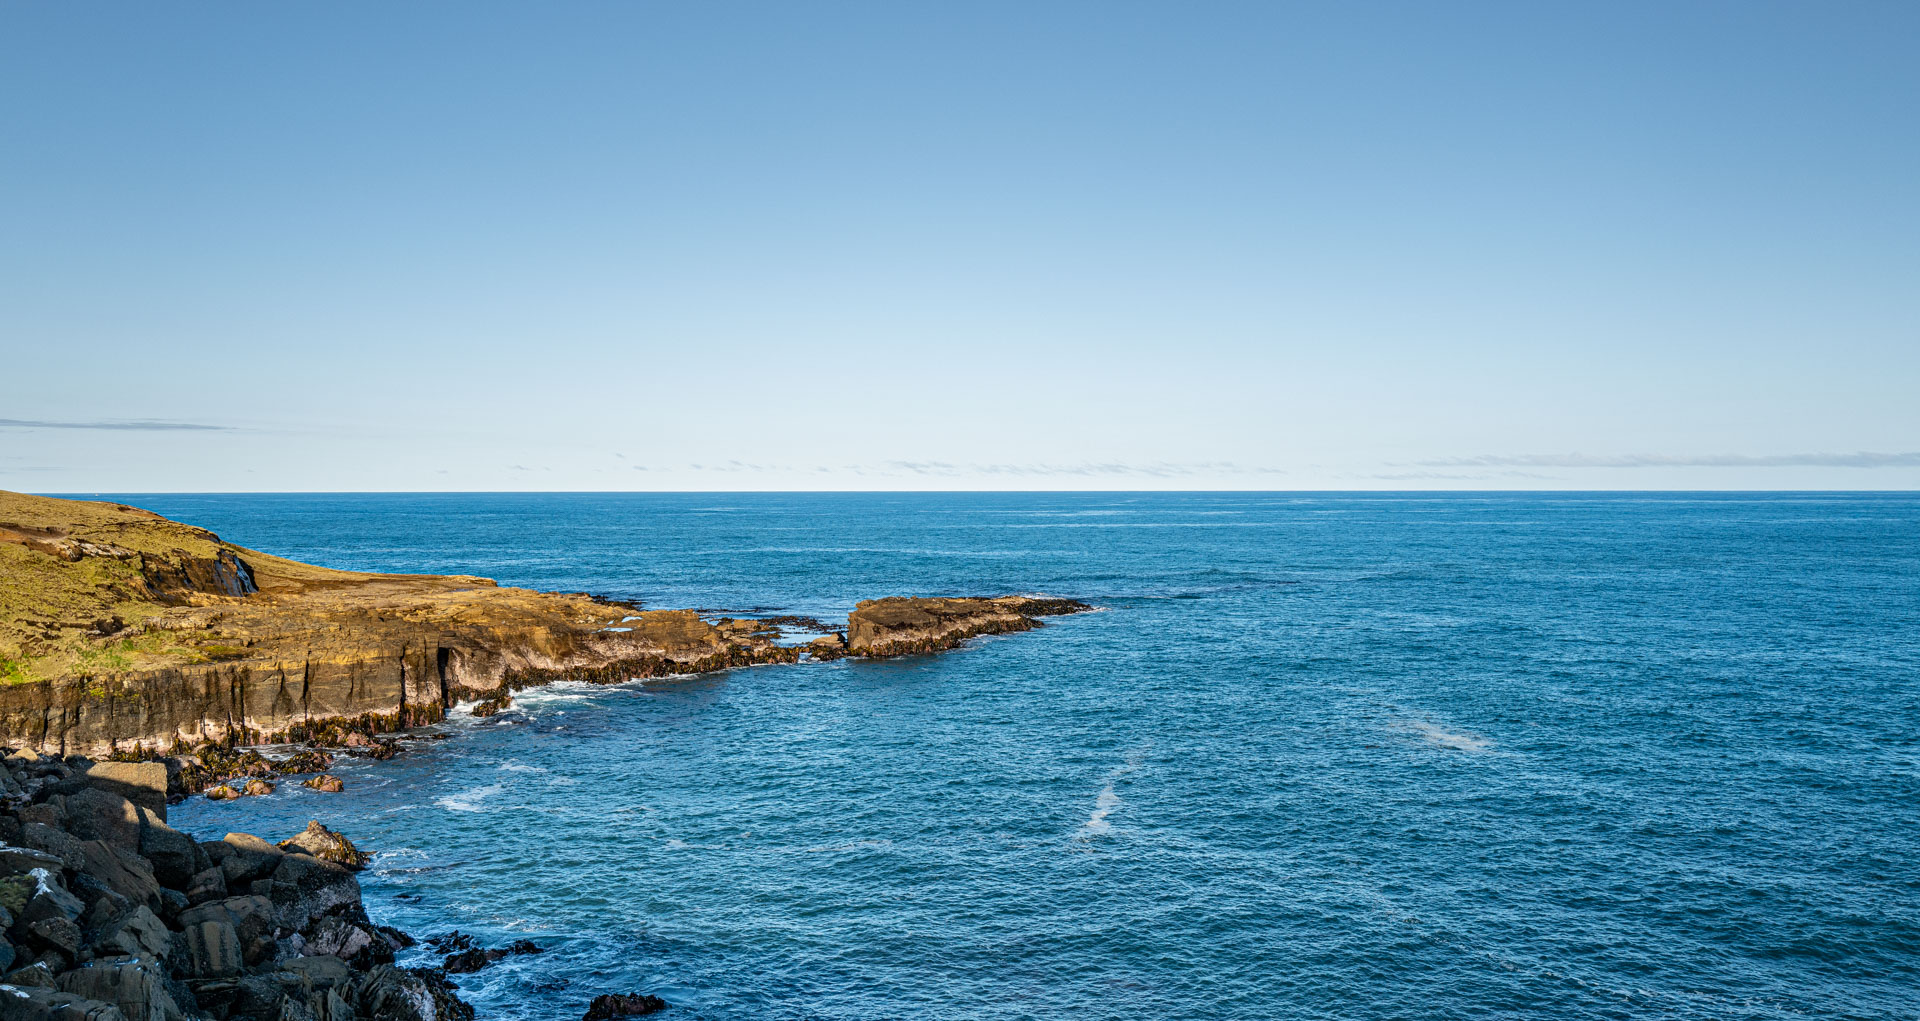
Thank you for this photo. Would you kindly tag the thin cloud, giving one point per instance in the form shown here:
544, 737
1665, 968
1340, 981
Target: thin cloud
1160, 469
1861, 459
127, 425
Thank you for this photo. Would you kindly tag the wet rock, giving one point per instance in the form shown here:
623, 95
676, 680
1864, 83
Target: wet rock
415, 994
616, 1005
468, 961
311, 761
493, 706
828, 647
221, 792
325, 782
325, 844
257, 787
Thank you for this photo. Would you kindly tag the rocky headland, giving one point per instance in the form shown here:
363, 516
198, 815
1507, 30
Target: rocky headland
139, 656
123, 633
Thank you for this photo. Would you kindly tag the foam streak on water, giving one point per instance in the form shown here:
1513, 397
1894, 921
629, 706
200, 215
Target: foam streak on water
1364, 756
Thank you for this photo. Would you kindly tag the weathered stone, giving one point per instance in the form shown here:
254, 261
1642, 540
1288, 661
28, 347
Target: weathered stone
305, 888
135, 986
325, 844
143, 783
139, 932
21, 860
252, 918
35, 974
210, 884
171, 851
126, 874
55, 934
207, 949
48, 899
94, 814
248, 858
41, 1003
414, 994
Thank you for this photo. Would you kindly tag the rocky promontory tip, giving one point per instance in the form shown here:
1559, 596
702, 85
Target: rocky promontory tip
124, 633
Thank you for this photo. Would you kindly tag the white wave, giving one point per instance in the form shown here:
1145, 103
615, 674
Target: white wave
1108, 801
1453, 739
1104, 805
516, 766
850, 845
469, 801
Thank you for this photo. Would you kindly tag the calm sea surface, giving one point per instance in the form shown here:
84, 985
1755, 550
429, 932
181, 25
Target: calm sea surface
1345, 756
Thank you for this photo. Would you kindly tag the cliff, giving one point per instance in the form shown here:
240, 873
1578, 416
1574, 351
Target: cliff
122, 631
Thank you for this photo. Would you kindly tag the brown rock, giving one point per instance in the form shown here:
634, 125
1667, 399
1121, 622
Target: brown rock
323, 843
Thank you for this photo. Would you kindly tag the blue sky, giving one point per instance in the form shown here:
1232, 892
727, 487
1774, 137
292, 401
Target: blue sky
475, 246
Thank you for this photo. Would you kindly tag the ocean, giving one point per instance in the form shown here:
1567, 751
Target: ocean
1345, 756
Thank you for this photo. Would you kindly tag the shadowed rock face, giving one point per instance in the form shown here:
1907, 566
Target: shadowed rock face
109, 914
122, 630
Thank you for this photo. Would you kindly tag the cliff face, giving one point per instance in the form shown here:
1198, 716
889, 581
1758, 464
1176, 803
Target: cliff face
120, 629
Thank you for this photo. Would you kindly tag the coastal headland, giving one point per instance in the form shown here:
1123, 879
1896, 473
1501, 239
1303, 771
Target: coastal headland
138, 655
123, 632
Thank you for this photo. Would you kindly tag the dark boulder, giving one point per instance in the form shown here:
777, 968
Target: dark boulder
614, 1005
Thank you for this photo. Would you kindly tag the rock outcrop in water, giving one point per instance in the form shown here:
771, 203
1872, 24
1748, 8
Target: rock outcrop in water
122, 632
901, 626
109, 914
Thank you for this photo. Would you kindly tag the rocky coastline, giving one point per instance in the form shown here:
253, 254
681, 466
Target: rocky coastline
109, 914
139, 657
125, 634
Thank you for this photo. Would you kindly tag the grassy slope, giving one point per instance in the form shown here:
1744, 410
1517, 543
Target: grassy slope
50, 607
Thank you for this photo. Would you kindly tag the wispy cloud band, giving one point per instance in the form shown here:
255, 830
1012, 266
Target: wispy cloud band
127, 425
1860, 459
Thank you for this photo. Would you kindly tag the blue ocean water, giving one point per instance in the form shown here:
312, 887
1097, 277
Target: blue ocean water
1319, 756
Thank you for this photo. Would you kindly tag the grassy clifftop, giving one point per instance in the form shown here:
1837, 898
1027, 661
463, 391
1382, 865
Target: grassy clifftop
81, 581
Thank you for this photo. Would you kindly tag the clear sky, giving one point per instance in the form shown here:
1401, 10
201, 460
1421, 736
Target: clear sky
478, 246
